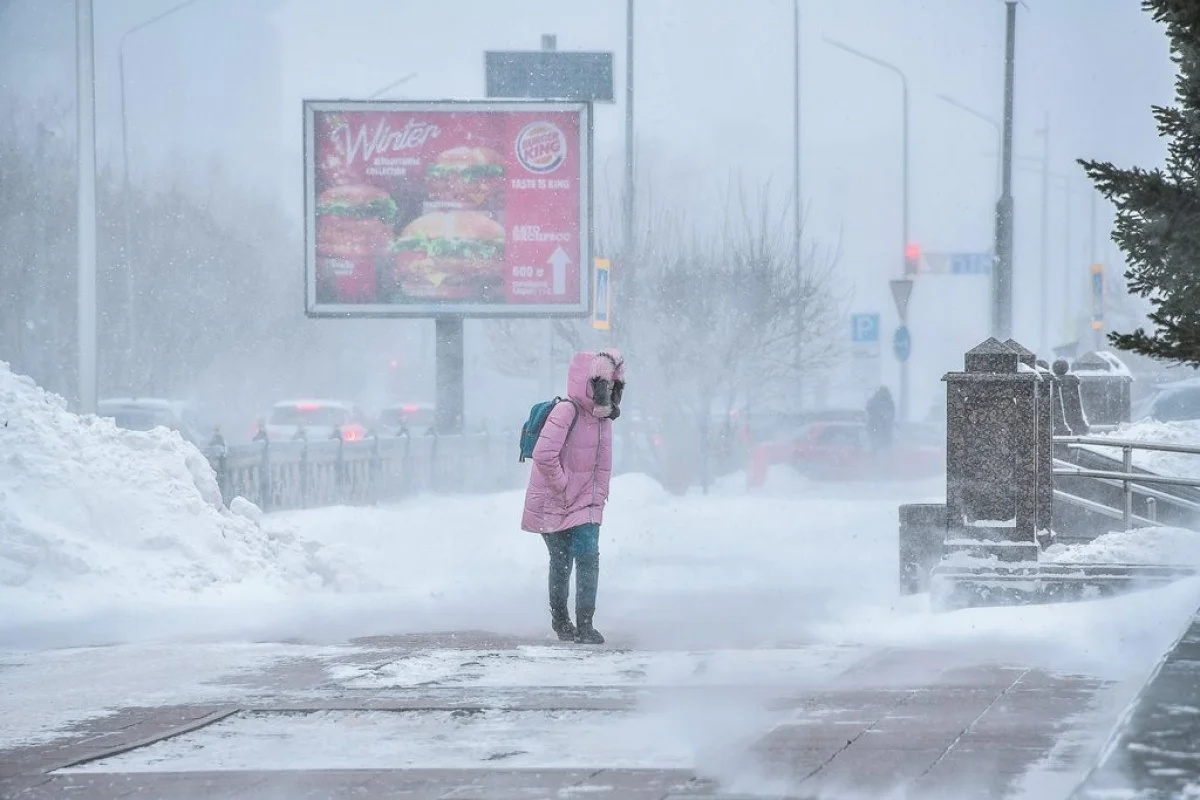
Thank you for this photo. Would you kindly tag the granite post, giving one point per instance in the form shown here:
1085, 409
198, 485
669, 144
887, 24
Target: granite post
996, 500
1106, 388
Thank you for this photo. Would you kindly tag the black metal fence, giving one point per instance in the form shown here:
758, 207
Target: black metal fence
278, 476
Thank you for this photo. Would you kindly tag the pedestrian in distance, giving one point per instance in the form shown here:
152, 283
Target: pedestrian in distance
569, 483
881, 419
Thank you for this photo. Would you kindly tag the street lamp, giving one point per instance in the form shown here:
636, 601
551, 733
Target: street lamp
126, 249
901, 307
85, 66
796, 208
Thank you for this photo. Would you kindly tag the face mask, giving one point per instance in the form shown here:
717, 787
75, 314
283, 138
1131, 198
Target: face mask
602, 391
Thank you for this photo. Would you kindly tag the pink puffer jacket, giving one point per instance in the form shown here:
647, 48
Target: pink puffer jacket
568, 485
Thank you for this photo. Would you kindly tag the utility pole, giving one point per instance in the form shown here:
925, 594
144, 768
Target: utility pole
1044, 283
629, 163
1092, 256
796, 203
1068, 299
86, 224
1002, 288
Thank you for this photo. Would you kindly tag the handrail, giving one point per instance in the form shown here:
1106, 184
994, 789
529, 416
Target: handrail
1100, 508
1127, 477
1123, 443
1146, 490
1124, 477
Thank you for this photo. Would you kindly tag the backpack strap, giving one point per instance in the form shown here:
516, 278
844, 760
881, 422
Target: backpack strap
574, 419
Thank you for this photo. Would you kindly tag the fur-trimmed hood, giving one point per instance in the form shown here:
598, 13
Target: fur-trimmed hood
608, 364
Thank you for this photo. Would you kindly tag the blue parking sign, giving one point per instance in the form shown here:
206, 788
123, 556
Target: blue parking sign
864, 328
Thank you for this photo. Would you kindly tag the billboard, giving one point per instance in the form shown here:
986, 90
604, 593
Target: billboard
461, 208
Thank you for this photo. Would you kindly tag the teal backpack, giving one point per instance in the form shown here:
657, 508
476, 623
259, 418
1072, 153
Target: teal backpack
531, 431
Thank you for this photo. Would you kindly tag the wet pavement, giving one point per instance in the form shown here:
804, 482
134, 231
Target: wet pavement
851, 723
1156, 754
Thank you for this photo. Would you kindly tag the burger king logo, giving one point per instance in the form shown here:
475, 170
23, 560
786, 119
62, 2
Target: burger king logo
541, 147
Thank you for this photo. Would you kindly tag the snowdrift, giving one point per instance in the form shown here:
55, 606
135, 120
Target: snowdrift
1180, 465
90, 513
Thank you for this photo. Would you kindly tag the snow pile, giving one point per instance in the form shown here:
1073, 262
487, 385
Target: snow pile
1168, 546
91, 514
1180, 465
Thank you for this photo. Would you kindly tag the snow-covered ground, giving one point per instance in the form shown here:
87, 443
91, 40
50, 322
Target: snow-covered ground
113, 537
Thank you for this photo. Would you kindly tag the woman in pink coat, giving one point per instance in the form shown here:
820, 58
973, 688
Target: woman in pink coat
568, 487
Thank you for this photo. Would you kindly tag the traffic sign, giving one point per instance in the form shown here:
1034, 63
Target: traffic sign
901, 291
864, 328
971, 263
902, 343
550, 75
959, 263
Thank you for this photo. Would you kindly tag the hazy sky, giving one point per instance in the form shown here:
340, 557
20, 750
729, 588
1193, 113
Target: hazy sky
220, 84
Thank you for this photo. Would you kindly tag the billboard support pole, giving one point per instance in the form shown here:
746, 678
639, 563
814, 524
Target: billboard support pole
450, 347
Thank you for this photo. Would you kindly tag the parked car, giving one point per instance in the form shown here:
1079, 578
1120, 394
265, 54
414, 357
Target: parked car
1171, 402
415, 418
147, 413
316, 420
842, 451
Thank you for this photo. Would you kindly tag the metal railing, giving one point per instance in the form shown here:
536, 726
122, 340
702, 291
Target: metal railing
1126, 478
278, 476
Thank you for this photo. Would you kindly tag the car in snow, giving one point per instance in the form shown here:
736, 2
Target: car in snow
147, 413
1171, 402
315, 420
415, 419
841, 451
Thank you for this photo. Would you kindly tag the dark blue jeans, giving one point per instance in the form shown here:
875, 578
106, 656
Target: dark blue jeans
578, 547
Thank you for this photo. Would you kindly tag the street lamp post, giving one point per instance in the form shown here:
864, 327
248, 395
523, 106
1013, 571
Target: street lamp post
126, 248
629, 162
1044, 283
796, 206
1002, 288
903, 405
85, 64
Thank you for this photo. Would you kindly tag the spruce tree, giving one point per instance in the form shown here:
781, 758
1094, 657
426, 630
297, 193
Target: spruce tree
1158, 211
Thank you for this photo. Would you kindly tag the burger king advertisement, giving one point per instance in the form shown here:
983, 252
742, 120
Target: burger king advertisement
476, 208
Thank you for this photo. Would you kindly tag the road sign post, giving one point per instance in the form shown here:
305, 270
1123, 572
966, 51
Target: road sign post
902, 344
901, 294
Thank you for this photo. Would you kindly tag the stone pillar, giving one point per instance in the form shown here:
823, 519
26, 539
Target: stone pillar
1071, 400
1061, 426
1045, 441
1106, 386
996, 500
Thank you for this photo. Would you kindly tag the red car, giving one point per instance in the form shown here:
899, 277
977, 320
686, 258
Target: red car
841, 451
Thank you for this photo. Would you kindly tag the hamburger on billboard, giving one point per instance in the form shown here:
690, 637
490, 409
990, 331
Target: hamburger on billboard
478, 208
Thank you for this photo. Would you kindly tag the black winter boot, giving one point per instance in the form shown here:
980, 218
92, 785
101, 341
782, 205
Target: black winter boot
587, 577
560, 585
585, 633
562, 626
